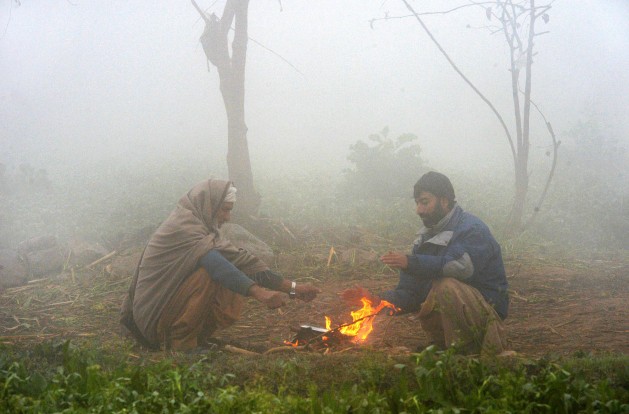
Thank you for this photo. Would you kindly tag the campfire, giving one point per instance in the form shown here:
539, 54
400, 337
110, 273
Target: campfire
355, 332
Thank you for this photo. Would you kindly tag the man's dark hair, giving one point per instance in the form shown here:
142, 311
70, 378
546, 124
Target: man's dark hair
437, 184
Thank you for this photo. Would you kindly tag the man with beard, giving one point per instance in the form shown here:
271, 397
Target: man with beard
454, 275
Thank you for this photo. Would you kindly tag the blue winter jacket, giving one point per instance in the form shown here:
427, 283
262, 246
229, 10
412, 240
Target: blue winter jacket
464, 233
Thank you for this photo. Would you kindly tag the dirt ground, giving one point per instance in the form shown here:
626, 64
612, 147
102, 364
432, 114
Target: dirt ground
555, 308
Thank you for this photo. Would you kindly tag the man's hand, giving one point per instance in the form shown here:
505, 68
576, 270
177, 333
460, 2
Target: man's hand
395, 260
306, 291
353, 296
270, 298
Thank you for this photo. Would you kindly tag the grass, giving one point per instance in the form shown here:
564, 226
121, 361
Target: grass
62, 377
105, 375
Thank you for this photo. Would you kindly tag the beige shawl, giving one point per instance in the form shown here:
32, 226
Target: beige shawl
173, 253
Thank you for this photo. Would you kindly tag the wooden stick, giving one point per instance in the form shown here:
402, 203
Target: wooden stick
565, 323
37, 280
332, 253
18, 337
58, 304
102, 259
518, 296
18, 289
345, 350
555, 331
290, 233
237, 350
331, 331
283, 348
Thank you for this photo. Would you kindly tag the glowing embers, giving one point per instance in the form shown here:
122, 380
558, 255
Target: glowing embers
355, 332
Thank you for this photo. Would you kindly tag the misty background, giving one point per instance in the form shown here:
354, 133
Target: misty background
106, 89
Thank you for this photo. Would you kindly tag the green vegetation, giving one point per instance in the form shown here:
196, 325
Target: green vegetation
388, 168
59, 377
306, 217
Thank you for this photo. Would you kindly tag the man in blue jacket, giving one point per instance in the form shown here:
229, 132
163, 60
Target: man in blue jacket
454, 275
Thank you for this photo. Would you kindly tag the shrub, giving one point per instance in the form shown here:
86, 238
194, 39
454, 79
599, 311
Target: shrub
387, 168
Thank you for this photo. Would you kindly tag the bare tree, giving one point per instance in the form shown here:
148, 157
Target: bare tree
517, 23
231, 71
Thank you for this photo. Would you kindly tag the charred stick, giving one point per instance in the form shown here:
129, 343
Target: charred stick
352, 323
331, 331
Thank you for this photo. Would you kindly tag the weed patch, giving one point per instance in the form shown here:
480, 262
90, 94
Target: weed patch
71, 379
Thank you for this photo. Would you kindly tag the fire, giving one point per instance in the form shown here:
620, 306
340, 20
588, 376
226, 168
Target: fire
362, 320
294, 344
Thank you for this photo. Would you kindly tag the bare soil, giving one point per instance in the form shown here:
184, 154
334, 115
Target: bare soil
556, 308
553, 310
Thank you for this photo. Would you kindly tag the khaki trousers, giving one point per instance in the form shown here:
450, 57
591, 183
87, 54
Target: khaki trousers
456, 314
199, 307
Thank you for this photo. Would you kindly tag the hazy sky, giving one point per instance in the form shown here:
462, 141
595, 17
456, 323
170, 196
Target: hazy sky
128, 80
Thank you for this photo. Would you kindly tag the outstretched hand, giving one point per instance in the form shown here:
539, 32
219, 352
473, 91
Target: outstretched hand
395, 260
306, 291
353, 296
270, 298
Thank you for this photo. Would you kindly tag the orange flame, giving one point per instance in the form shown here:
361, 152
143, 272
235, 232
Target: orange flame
293, 344
363, 319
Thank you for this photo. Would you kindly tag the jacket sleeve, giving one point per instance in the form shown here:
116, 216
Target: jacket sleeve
268, 279
224, 272
409, 294
467, 253
241, 258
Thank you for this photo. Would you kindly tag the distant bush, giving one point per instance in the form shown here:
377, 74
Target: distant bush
387, 168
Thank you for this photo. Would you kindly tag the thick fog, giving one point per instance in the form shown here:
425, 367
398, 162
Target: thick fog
124, 81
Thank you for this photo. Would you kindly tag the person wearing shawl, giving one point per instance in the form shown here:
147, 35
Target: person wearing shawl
454, 275
191, 281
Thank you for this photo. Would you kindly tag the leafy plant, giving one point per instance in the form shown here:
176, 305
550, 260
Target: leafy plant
72, 379
383, 167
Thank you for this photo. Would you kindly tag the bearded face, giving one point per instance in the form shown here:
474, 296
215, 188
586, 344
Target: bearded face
431, 209
431, 219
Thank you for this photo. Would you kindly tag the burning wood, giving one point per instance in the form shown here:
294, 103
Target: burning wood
355, 332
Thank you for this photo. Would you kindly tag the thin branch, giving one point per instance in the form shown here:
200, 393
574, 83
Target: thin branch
207, 21
514, 24
277, 54
6, 27
372, 21
471, 85
543, 9
201, 12
551, 173
507, 20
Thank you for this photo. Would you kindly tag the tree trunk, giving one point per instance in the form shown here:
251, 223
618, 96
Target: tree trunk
514, 222
523, 122
231, 71
238, 161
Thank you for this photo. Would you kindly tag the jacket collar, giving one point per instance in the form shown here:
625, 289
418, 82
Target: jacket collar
441, 232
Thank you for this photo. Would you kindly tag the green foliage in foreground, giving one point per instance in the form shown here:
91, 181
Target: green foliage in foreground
62, 378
